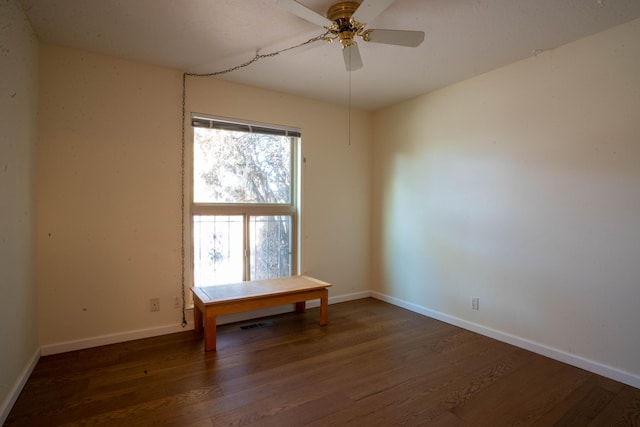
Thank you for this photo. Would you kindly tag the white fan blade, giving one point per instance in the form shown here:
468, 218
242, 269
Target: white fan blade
304, 12
395, 37
369, 9
302, 48
352, 60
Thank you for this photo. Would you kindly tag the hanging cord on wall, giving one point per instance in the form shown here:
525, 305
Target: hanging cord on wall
349, 102
182, 202
257, 57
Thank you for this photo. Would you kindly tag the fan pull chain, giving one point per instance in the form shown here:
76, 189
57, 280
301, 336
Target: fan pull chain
350, 103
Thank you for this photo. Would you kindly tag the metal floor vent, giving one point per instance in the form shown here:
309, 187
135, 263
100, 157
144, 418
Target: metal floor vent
264, 324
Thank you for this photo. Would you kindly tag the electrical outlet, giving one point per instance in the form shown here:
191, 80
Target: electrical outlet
155, 304
475, 303
177, 302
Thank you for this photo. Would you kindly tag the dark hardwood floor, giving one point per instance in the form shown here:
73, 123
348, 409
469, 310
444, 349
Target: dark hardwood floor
373, 365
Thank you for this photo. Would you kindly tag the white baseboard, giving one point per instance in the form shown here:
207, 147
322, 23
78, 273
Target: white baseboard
342, 298
553, 353
15, 391
571, 359
81, 344
544, 350
272, 311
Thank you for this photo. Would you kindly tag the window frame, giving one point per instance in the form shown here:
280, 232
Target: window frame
248, 210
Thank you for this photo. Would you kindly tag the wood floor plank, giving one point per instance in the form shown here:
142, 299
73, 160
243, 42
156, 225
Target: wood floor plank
523, 396
425, 396
623, 410
580, 407
375, 364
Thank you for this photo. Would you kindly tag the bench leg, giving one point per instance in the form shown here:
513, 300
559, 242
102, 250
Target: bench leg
209, 331
197, 319
324, 308
301, 306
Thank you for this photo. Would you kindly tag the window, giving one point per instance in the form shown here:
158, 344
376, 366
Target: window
244, 201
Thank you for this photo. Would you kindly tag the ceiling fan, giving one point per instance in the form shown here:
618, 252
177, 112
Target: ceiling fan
347, 20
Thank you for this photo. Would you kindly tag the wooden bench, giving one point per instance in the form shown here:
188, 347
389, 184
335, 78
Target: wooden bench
212, 301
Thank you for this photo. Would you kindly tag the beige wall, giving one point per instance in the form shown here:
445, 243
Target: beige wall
18, 126
522, 187
109, 190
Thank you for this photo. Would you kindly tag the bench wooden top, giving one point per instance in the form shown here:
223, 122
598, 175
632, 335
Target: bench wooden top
220, 294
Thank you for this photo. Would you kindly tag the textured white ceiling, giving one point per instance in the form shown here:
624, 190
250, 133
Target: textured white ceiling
463, 38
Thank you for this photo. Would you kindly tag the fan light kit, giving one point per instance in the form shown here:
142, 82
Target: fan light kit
347, 20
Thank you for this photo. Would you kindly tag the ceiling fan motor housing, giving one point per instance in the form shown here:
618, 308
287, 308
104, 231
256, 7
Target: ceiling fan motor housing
342, 10
344, 27
342, 22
